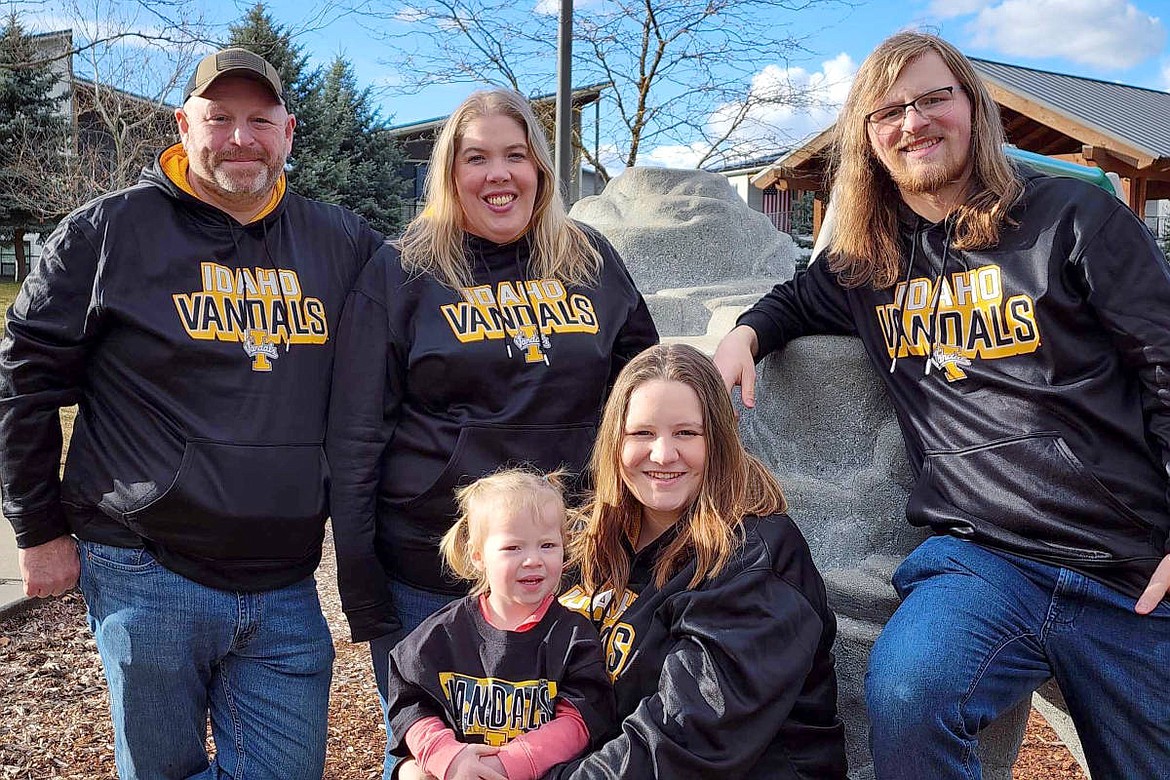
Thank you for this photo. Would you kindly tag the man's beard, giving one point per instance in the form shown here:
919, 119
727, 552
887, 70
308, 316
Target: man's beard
926, 179
240, 185
923, 180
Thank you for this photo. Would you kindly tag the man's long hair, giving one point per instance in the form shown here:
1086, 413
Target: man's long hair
433, 241
864, 247
734, 484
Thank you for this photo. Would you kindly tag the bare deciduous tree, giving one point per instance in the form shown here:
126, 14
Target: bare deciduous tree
118, 66
679, 71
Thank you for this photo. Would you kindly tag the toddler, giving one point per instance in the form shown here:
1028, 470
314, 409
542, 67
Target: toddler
506, 682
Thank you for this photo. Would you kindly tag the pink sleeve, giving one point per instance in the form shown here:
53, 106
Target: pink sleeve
432, 744
530, 755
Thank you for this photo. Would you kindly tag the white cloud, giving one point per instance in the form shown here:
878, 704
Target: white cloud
789, 104
1105, 33
99, 22
44, 22
408, 14
675, 156
553, 7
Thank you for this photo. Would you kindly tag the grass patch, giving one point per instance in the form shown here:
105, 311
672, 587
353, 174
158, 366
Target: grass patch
8, 292
7, 296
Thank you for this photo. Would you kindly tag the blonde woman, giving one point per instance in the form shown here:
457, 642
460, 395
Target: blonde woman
714, 619
488, 335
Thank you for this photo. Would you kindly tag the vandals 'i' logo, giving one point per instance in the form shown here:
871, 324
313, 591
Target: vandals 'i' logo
951, 362
259, 346
531, 344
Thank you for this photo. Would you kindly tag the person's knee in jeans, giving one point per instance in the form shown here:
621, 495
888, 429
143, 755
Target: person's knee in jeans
905, 697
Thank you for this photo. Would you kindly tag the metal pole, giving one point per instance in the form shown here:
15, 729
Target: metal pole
564, 119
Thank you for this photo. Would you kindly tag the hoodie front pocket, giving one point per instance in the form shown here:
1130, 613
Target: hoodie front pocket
239, 502
1032, 493
483, 449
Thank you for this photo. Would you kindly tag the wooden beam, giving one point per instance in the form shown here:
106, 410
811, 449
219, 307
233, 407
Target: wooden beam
1109, 160
804, 156
1030, 139
1137, 196
818, 215
1157, 190
815, 146
787, 181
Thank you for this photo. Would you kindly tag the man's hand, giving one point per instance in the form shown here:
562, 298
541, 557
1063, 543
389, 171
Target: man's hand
467, 764
735, 359
1156, 590
49, 569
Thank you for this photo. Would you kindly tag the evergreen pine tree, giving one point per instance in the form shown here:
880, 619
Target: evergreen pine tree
341, 151
356, 161
31, 126
260, 33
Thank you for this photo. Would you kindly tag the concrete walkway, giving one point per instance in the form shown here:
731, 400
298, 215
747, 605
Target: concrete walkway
11, 589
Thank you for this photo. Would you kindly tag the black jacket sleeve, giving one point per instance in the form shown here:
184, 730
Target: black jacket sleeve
368, 381
586, 684
810, 303
51, 329
1128, 283
741, 654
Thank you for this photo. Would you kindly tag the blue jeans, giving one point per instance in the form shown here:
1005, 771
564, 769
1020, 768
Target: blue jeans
979, 630
413, 607
175, 651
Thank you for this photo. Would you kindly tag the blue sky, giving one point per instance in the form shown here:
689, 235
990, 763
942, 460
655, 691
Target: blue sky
1115, 40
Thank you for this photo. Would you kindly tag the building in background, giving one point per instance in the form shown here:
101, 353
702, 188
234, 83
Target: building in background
112, 135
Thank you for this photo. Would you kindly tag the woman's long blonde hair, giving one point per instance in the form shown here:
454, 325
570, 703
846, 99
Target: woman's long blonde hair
734, 483
864, 248
433, 242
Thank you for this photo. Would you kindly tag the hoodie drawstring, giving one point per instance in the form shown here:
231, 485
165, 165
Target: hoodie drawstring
939, 281
936, 298
899, 326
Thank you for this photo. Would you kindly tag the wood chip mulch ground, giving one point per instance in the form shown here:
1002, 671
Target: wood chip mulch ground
54, 720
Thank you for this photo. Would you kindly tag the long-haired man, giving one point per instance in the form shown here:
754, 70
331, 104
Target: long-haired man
1021, 324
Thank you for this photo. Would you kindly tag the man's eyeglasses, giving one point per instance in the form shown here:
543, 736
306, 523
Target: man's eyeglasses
929, 105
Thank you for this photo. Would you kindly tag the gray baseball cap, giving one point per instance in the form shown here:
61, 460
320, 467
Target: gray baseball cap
233, 62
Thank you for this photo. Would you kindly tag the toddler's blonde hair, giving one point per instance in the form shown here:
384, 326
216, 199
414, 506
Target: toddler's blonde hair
510, 490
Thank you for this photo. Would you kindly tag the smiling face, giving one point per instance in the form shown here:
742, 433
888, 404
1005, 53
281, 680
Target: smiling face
925, 157
237, 136
521, 554
664, 452
495, 178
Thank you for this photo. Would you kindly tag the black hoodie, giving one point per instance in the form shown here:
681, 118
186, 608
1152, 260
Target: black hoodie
199, 352
435, 387
1040, 425
731, 679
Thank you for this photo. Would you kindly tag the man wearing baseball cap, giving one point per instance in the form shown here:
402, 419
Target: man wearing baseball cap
191, 318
